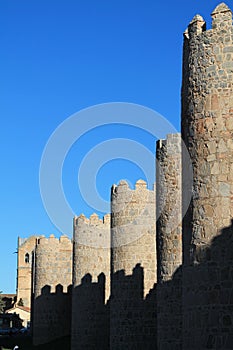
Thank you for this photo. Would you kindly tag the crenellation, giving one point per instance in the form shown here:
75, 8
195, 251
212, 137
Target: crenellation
222, 18
197, 26
107, 219
95, 220
51, 241
140, 185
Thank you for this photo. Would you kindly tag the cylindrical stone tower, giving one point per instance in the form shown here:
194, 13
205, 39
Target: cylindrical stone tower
168, 207
169, 241
133, 264
53, 263
91, 282
207, 130
133, 238
52, 298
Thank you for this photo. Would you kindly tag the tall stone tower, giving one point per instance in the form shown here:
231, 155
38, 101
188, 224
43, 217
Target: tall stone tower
52, 295
133, 263
133, 237
207, 130
168, 206
169, 241
91, 282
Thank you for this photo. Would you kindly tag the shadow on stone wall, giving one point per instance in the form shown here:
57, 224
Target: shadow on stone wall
90, 315
169, 312
127, 321
132, 318
51, 314
194, 310
208, 296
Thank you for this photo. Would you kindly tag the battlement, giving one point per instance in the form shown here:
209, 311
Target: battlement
52, 240
94, 220
221, 17
92, 232
221, 8
172, 143
221, 20
123, 187
196, 26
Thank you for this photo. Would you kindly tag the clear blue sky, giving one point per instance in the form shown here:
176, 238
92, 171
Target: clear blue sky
60, 56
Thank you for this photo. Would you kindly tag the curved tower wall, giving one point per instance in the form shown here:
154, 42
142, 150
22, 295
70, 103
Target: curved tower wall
133, 237
91, 282
207, 127
207, 130
133, 264
168, 206
53, 263
91, 248
52, 298
169, 241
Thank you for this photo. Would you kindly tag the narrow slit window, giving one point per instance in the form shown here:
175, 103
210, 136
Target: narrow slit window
27, 258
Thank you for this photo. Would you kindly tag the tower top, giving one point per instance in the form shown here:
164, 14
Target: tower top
196, 26
197, 18
221, 8
221, 17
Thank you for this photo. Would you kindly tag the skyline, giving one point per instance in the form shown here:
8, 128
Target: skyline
61, 57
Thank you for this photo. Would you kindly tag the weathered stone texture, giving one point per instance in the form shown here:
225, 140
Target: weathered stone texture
133, 263
207, 130
169, 241
91, 282
168, 206
26, 249
117, 302
133, 238
53, 268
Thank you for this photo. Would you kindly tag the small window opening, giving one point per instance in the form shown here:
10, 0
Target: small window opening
27, 258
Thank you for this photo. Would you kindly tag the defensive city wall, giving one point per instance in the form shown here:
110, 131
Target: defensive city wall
156, 273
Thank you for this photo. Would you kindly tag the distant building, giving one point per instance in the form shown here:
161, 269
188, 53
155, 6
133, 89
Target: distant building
23, 312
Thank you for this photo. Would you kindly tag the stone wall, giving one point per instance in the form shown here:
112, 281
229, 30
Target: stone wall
91, 282
52, 277
133, 262
169, 241
168, 206
117, 303
133, 237
207, 130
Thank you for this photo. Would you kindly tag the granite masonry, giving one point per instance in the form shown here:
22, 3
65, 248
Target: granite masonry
156, 273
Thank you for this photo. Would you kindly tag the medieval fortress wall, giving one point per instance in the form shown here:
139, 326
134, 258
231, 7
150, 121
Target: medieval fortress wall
53, 263
169, 240
142, 277
133, 238
207, 130
52, 297
91, 279
133, 260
